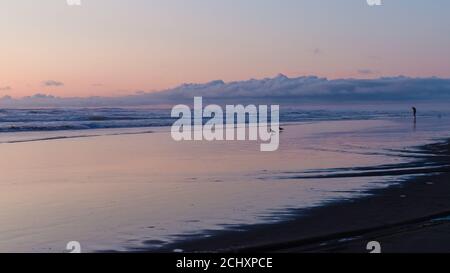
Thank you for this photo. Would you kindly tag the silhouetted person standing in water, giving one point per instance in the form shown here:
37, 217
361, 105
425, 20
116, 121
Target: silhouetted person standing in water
414, 112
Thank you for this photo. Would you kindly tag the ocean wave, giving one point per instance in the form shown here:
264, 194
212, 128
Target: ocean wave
25, 120
56, 137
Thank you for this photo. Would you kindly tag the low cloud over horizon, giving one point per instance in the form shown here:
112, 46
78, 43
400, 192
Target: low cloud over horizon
53, 83
280, 89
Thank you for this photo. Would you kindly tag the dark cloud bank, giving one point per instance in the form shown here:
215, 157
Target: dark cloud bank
280, 89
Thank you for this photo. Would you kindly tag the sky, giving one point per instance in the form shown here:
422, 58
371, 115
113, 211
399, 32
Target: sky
118, 47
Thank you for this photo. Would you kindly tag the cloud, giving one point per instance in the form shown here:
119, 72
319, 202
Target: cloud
317, 51
366, 71
42, 96
280, 89
5, 88
52, 83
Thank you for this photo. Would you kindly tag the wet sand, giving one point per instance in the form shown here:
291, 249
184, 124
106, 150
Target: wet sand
411, 216
127, 191
118, 190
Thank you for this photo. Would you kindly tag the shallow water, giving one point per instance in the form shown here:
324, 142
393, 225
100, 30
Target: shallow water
59, 120
115, 191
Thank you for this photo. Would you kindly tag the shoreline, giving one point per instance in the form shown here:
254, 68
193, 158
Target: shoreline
404, 217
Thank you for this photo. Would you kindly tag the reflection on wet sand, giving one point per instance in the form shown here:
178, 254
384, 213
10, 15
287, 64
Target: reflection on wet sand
116, 192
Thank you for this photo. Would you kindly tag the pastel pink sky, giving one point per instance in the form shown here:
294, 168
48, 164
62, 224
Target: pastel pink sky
116, 47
